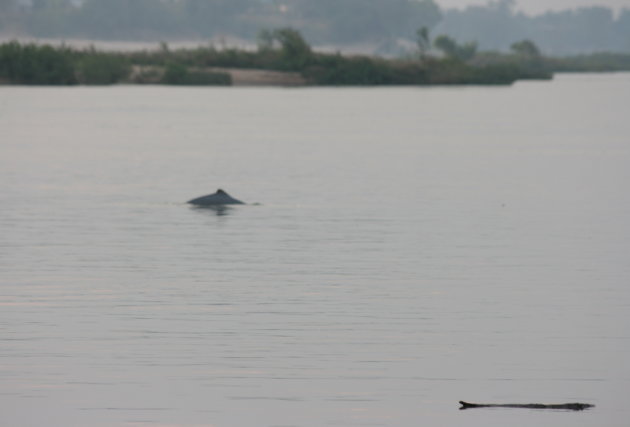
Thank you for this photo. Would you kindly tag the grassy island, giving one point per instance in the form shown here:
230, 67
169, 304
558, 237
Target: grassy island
283, 58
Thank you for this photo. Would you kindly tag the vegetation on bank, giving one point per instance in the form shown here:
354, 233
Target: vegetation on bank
286, 50
32, 64
596, 62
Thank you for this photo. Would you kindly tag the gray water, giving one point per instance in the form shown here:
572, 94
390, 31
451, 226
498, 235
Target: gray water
411, 247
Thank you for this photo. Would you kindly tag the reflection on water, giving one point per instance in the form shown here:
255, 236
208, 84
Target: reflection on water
218, 210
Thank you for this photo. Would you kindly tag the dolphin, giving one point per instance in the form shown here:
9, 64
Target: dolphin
217, 199
566, 406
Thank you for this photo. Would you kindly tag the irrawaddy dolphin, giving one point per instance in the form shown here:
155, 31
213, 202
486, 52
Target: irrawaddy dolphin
216, 199
566, 406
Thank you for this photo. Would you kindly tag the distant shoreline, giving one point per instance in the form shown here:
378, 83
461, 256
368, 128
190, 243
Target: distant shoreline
287, 61
239, 76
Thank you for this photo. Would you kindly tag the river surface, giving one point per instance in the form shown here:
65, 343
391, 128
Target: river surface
403, 249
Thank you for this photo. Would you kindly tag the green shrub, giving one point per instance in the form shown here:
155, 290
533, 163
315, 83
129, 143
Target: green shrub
178, 74
102, 69
338, 70
36, 65
175, 74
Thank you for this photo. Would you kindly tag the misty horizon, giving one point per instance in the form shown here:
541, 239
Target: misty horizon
539, 7
384, 27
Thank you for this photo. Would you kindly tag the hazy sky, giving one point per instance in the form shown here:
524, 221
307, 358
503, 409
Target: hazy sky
538, 6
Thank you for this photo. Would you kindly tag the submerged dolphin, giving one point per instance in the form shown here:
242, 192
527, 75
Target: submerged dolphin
217, 199
567, 406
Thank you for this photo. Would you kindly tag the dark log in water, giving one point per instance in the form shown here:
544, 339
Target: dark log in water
566, 406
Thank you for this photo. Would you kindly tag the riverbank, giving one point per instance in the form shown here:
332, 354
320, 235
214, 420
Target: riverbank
235, 76
282, 58
288, 61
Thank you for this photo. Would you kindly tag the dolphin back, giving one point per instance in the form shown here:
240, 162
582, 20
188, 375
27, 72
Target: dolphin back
215, 199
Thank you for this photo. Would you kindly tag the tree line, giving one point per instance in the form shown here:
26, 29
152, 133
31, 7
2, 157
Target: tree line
32, 64
286, 49
281, 50
567, 32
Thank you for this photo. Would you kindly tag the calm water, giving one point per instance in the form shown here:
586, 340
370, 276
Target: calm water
412, 247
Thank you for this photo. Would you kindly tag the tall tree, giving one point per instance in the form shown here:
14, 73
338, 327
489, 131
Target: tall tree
296, 52
454, 50
526, 48
423, 41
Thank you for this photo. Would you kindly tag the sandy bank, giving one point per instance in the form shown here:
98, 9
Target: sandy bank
246, 77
